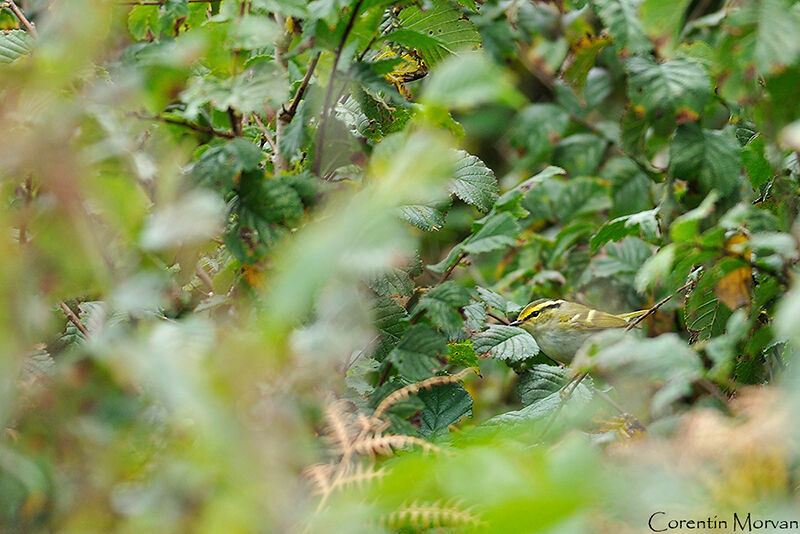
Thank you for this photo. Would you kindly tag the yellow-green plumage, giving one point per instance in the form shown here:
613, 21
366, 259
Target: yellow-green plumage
560, 327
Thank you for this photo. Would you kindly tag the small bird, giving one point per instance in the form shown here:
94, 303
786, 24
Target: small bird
560, 327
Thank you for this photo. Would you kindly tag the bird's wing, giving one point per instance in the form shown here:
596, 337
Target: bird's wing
595, 319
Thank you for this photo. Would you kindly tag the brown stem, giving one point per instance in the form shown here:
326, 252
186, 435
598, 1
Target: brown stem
236, 123
267, 137
28, 25
287, 114
329, 92
185, 124
74, 319
449, 271
656, 306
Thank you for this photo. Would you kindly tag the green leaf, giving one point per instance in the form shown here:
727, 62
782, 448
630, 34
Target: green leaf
475, 316
538, 128
630, 186
474, 182
663, 18
656, 269
469, 80
462, 353
622, 258
755, 162
542, 380
143, 21
436, 32
676, 87
777, 41
444, 405
390, 318
441, 304
622, 19
665, 359
395, 282
583, 60
581, 196
14, 44
295, 134
580, 154
415, 354
686, 227
507, 343
710, 158
643, 222
498, 232
428, 218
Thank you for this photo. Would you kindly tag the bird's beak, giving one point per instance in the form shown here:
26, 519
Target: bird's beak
515, 323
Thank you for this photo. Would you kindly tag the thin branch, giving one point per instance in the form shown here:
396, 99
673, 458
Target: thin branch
74, 319
236, 122
28, 25
449, 271
329, 93
287, 114
656, 306
185, 124
267, 137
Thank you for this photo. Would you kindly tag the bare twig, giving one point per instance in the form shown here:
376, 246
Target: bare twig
74, 319
329, 92
28, 25
185, 124
656, 306
267, 137
286, 114
449, 271
236, 122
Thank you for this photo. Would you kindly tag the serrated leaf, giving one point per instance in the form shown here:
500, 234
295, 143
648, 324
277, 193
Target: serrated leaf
428, 218
475, 316
498, 232
14, 44
755, 162
622, 258
390, 318
622, 19
492, 299
469, 80
579, 154
395, 282
462, 353
542, 380
581, 196
777, 40
442, 303
473, 182
143, 21
678, 86
218, 166
415, 354
538, 128
441, 23
584, 55
507, 343
295, 134
444, 405
643, 222
710, 158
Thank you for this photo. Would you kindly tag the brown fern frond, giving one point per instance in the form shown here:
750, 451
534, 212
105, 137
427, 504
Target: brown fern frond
320, 475
431, 515
385, 445
361, 476
340, 429
405, 392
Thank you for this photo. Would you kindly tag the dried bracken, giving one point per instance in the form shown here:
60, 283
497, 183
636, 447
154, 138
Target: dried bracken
432, 515
405, 392
385, 445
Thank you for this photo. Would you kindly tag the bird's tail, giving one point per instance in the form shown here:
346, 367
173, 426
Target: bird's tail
632, 315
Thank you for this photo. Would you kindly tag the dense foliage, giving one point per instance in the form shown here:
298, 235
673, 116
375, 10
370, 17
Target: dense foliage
261, 259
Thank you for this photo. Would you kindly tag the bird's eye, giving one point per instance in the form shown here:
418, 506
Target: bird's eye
536, 313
